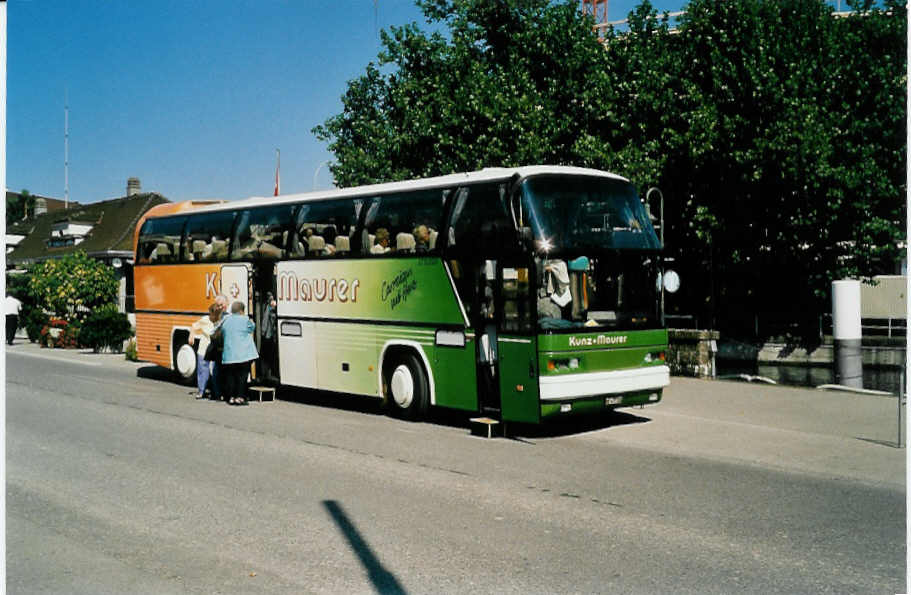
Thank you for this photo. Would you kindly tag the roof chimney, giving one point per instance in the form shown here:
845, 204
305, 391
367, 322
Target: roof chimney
133, 186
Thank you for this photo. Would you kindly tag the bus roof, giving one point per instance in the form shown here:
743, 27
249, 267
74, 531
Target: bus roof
485, 175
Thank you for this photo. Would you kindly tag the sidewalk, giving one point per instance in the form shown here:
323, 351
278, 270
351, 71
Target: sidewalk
22, 346
824, 432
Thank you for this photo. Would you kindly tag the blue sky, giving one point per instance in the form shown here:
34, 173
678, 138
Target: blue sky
191, 96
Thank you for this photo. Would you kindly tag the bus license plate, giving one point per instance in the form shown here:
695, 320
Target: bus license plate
613, 400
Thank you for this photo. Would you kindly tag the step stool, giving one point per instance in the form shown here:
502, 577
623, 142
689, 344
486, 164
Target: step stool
483, 425
264, 390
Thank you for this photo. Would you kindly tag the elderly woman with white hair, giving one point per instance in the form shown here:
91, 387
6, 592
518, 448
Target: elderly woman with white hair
239, 352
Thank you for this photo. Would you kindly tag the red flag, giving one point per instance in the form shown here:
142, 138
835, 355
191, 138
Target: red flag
278, 167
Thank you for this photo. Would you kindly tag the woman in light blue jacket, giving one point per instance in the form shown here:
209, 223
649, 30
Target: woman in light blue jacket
238, 352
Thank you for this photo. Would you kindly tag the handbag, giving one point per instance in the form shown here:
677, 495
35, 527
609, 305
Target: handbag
216, 344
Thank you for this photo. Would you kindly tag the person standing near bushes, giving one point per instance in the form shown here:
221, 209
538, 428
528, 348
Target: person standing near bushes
239, 352
203, 329
12, 307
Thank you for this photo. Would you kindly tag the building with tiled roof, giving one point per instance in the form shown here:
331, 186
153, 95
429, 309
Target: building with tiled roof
103, 230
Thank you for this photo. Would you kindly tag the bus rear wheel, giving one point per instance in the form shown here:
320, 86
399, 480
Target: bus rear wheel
184, 363
407, 389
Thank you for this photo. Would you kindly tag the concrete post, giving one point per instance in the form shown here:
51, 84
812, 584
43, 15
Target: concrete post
847, 333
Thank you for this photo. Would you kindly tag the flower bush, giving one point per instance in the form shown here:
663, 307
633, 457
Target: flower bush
60, 333
72, 286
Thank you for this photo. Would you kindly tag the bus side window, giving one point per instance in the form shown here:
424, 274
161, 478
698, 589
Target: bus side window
409, 220
207, 237
159, 240
262, 233
326, 229
480, 223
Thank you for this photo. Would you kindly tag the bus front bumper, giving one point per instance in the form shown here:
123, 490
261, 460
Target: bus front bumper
589, 393
591, 384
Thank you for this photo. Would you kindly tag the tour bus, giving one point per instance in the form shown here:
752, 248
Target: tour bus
522, 294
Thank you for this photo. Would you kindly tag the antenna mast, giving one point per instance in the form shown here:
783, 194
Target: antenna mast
66, 149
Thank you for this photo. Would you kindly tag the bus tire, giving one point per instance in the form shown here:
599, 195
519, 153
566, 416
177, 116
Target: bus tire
407, 387
184, 363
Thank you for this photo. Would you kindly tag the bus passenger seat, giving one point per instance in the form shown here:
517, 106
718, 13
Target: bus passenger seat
317, 244
162, 252
342, 244
404, 242
219, 249
433, 239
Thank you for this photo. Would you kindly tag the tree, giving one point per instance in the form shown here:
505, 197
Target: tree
775, 130
514, 82
18, 206
73, 286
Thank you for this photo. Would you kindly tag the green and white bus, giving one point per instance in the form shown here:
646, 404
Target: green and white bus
522, 294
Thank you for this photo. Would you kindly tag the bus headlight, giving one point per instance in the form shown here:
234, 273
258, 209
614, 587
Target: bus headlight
557, 365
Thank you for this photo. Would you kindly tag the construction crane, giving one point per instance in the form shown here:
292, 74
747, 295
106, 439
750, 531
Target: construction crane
598, 11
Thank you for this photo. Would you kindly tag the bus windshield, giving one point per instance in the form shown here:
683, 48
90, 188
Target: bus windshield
596, 253
612, 291
585, 214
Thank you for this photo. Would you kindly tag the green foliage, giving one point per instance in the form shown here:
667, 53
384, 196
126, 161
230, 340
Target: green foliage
775, 130
33, 319
105, 328
17, 285
515, 82
131, 352
72, 286
18, 205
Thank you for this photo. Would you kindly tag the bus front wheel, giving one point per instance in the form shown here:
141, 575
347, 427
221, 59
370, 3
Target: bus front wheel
406, 386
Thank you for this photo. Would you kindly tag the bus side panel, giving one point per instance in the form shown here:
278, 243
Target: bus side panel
177, 288
346, 357
412, 290
455, 376
297, 353
153, 335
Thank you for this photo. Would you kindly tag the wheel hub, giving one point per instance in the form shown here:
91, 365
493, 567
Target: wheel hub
402, 386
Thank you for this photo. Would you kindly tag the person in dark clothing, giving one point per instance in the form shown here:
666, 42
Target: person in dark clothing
269, 336
12, 307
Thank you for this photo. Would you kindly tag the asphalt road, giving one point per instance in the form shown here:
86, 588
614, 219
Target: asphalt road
118, 481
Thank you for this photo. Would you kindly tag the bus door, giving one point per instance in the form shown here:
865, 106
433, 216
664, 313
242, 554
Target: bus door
486, 331
516, 343
263, 308
235, 284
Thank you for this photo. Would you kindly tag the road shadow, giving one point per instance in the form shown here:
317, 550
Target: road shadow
889, 443
331, 400
570, 426
158, 373
453, 418
383, 580
456, 418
